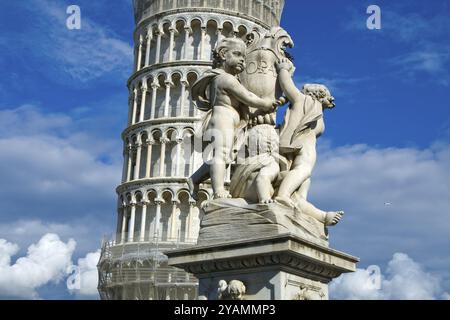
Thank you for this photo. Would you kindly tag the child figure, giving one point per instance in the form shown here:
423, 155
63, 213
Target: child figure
253, 180
303, 125
220, 93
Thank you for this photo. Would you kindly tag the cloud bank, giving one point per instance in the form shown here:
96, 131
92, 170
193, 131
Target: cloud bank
47, 262
405, 279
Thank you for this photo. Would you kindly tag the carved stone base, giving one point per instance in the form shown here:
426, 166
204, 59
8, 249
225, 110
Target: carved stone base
234, 219
282, 267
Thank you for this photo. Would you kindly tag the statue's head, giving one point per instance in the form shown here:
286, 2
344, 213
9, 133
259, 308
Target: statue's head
229, 55
236, 290
320, 93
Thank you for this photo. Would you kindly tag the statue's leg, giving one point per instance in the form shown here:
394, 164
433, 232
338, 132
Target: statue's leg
301, 168
303, 191
328, 218
300, 200
199, 176
264, 180
219, 165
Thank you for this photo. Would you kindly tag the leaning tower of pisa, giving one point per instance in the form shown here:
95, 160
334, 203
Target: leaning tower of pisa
173, 44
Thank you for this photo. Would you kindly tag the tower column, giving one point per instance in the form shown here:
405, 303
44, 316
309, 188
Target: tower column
187, 33
143, 220
130, 107
162, 166
169, 84
219, 34
130, 160
174, 221
125, 164
139, 57
148, 164
119, 226
184, 85
178, 160
155, 87
192, 205
124, 224
133, 116
158, 203
137, 167
149, 42
144, 90
202, 43
158, 46
132, 220
172, 31
193, 161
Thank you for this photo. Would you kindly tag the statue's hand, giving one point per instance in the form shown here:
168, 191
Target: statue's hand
281, 101
269, 105
285, 64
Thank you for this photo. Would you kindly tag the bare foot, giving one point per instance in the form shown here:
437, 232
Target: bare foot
266, 201
332, 218
222, 194
193, 189
285, 201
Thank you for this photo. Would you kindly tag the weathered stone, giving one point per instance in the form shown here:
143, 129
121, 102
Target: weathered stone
228, 220
282, 267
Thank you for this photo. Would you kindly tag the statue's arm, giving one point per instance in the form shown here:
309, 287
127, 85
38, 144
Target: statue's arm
288, 86
235, 88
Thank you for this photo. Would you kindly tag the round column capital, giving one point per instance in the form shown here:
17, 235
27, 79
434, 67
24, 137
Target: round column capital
133, 204
164, 140
169, 83
192, 202
144, 203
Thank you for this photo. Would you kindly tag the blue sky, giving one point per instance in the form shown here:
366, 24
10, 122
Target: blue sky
63, 105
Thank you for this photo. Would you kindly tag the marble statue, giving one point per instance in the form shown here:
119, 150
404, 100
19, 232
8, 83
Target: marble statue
262, 229
241, 94
220, 93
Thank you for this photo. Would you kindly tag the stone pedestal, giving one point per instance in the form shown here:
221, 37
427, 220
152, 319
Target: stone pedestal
253, 246
275, 268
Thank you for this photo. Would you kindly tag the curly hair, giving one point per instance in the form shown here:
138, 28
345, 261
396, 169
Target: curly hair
316, 91
224, 45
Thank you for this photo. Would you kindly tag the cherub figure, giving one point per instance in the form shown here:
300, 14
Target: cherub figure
220, 93
302, 126
253, 180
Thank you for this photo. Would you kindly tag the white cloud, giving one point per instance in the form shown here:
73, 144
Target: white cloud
23, 232
56, 165
84, 55
53, 182
404, 280
87, 275
416, 182
422, 36
46, 262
